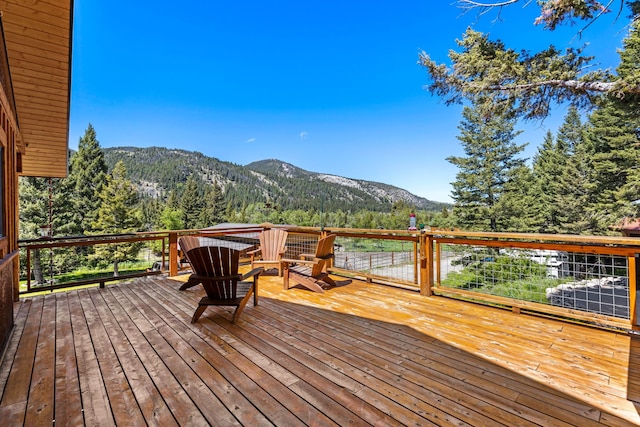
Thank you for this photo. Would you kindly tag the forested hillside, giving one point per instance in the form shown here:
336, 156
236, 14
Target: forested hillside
157, 171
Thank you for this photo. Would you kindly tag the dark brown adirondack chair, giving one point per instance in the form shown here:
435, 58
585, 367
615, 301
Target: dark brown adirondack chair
272, 248
186, 243
311, 269
216, 268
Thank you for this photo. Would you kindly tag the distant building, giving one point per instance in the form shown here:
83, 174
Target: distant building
556, 262
629, 227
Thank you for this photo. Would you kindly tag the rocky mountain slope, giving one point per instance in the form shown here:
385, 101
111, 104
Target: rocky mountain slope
156, 171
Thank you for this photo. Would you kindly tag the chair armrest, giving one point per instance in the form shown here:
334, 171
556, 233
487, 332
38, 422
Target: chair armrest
299, 261
254, 272
253, 252
217, 278
305, 256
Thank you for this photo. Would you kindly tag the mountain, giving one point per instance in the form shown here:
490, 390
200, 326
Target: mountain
156, 171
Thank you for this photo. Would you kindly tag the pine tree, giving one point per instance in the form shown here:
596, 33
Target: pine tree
33, 206
33, 215
87, 176
484, 70
575, 180
191, 203
546, 169
575, 196
489, 164
45, 202
614, 138
213, 211
570, 133
173, 201
519, 203
232, 216
616, 152
118, 213
550, 164
64, 222
150, 208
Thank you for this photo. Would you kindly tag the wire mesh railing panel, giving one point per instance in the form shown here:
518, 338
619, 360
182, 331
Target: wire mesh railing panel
298, 244
55, 267
393, 259
593, 283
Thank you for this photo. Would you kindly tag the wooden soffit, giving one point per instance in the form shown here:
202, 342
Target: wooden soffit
38, 41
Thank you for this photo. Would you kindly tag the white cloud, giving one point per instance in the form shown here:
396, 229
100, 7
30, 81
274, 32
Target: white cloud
251, 139
303, 136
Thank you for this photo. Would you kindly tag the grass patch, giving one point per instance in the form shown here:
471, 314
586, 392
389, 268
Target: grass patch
90, 273
504, 276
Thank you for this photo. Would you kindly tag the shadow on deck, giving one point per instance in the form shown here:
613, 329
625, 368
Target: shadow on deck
360, 354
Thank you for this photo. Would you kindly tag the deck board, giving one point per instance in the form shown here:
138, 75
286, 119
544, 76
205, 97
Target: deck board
358, 354
67, 382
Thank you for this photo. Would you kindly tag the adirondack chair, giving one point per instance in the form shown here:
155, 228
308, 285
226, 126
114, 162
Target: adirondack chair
311, 269
272, 248
216, 267
186, 243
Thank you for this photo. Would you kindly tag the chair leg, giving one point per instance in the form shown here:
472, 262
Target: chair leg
329, 280
190, 282
310, 284
255, 291
243, 303
198, 313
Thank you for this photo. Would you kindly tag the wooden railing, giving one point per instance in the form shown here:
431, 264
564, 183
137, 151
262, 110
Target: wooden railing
29, 247
582, 278
166, 258
586, 278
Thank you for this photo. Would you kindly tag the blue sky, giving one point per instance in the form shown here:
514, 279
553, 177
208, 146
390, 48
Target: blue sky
329, 86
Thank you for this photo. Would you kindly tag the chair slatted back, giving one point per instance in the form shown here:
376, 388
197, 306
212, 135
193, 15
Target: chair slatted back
272, 243
186, 243
217, 267
324, 253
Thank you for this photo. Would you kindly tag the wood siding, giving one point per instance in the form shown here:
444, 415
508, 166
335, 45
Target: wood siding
38, 39
10, 142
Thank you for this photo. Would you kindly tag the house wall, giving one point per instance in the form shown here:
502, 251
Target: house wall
10, 147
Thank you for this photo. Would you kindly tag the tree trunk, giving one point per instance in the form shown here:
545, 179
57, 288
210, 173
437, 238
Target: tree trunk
38, 277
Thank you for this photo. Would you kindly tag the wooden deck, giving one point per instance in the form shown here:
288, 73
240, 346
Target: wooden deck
359, 354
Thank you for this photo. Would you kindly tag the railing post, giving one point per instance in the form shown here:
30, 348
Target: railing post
415, 261
164, 254
173, 254
633, 289
28, 269
438, 263
426, 264
16, 278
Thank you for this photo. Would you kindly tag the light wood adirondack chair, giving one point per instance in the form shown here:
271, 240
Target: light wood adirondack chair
311, 269
216, 268
272, 248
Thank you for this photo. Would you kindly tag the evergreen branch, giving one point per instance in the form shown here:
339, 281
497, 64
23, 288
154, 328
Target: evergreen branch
576, 85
